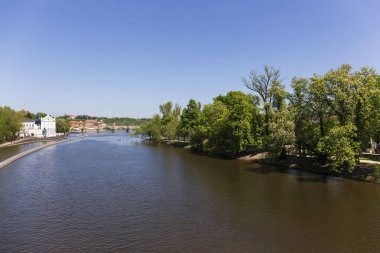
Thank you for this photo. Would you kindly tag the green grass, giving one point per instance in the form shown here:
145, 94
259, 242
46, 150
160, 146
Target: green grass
372, 157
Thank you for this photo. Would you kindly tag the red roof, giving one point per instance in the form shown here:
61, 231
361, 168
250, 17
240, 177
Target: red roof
91, 121
76, 122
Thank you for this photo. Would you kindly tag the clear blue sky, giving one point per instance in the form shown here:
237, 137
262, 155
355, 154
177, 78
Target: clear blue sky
124, 58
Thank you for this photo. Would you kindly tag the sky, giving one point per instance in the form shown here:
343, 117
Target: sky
125, 57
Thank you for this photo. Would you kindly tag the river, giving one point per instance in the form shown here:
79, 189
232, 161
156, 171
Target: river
114, 193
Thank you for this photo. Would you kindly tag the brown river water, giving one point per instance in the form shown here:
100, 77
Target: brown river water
116, 194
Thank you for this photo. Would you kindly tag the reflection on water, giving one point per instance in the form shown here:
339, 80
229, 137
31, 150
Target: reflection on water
113, 193
7, 152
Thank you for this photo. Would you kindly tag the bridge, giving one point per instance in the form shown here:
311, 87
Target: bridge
114, 127
97, 128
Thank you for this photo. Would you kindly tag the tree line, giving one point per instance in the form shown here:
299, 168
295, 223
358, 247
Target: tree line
331, 117
11, 122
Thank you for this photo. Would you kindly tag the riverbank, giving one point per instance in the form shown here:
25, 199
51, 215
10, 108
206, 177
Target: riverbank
366, 172
29, 151
29, 140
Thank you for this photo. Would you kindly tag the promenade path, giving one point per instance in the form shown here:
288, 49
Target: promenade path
29, 151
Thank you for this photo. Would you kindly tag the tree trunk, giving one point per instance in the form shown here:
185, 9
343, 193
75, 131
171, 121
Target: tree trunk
266, 121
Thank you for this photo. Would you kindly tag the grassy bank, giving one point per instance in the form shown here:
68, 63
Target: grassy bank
362, 172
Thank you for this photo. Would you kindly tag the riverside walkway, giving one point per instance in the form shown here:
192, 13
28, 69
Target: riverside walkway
29, 151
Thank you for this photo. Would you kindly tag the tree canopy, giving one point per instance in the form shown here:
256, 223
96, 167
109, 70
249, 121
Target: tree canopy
330, 117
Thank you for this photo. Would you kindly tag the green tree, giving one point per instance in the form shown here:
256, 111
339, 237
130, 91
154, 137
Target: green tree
152, 128
351, 97
282, 132
208, 134
262, 84
62, 126
375, 117
319, 103
341, 148
26, 115
10, 123
307, 134
190, 118
226, 124
170, 119
281, 127
237, 135
40, 115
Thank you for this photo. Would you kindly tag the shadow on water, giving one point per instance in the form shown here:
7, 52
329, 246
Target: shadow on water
301, 176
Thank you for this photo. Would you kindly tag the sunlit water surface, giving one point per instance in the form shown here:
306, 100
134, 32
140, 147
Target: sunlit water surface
114, 193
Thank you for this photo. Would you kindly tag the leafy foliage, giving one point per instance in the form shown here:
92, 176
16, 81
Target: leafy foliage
170, 119
190, 118
331, 117
226, 124
39, 115
10, 123
340, 147
62, 125
281, 133
152, 128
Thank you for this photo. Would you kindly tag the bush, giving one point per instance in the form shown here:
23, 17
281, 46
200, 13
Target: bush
340, 148
376, 173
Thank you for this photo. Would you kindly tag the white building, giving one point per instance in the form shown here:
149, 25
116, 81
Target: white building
44, 127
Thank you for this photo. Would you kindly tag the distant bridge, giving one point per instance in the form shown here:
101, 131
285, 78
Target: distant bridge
114, 127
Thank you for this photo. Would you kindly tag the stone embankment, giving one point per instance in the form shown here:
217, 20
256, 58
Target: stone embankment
29, 151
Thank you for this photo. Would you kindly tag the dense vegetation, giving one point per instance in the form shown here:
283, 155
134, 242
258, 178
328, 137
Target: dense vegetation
62, 125
332, 117
10, 122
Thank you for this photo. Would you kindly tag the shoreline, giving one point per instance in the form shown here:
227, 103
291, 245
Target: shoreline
10, 160
364, 171
29, 140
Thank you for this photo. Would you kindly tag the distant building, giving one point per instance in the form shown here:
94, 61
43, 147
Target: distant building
71, 116
44, 127
77, 126
101, 124
91, 124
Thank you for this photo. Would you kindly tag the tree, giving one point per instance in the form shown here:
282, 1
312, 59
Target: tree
26, 115
367, 107
40, 115
10, 123
351, 97
281, 127
152, 128
306, 136
170, 119
279, 95
319, 103
226, 125
62, 126
262, 84
208, 134
375, 117
340, 147
190, 118
237, 130
282, 132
